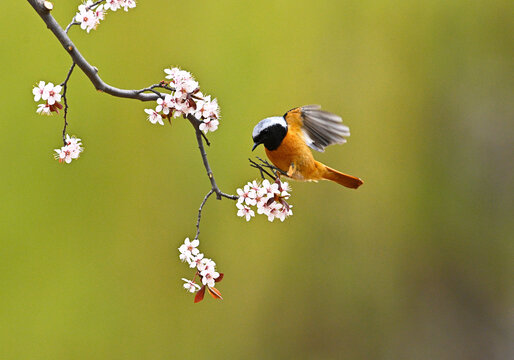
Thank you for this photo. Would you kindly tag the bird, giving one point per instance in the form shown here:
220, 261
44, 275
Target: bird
287, 140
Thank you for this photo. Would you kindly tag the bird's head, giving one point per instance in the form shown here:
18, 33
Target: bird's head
270, 132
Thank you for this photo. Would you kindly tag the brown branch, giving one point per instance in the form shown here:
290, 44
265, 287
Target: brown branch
65, 99
219, 194
90, 71
145, 94
200, 212
263, 165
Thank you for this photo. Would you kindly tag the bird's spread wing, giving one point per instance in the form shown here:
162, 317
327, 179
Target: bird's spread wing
320, 128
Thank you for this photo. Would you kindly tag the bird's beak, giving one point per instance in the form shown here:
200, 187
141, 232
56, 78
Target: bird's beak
255, 145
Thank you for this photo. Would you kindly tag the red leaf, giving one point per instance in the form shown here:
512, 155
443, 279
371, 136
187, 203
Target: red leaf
214, 293
200, 294
219, 278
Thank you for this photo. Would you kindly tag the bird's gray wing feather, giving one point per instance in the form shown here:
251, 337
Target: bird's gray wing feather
322, 128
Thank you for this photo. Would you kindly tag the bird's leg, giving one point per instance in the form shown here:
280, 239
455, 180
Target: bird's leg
292, 170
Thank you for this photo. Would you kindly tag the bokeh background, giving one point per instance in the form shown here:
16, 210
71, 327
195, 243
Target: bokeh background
416, 264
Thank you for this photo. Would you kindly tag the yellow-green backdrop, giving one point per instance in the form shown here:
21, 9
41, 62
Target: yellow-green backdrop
416, 264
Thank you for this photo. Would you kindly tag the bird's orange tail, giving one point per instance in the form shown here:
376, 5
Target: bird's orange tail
342, 179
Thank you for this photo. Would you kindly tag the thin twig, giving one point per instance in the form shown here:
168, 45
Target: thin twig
263, 165
195, 122
154, 86
207, 142
200, 212
65, 99
73, 22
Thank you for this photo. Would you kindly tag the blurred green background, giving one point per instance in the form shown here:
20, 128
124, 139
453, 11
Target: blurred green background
416, 264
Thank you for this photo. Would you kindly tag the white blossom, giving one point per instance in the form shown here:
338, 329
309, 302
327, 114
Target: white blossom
70, 151
128, 4
207, 109
206, 265
165, 105
273, 211
209, 125
269, 198
154, 117
245, 211
113, 4
44, 109
190, 286
284, 212
196, 260
247, 195
51, 93
209, 277
38, 90
188, 250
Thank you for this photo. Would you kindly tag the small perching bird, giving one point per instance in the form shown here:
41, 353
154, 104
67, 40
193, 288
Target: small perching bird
287, 140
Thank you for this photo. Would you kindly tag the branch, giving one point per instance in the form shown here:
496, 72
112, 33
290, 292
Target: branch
200, 212
90, 71
145, 94
263, 165
65, 88
219, 194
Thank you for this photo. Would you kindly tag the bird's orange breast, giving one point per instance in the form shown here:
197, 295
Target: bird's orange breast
293, 151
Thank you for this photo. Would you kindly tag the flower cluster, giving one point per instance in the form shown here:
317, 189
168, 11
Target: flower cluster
185, 99
51, 94
70, 151
90, 13
118, 4
269, 198
205, 269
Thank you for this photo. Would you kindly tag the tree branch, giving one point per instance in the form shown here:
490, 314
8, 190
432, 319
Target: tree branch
219, 194
65, 99
145, 94
200, 213
90, 71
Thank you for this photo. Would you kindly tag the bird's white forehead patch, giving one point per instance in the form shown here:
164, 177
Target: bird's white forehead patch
268, 122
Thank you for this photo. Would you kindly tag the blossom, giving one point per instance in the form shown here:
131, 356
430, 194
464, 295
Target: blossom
44, 109
273, 211
128, 4
99, 13
190, 286
269, 198
207, 109
165, 104
154, 117
70, 151
209, 125
284, 189
254, 185
188, 250
172, 73
113, 4
205, 269
245, 211
38, 90
181, 79
196, 260
247, 195
209, 277
284, 212
206, 265
269, 189
89, 18
51, 93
